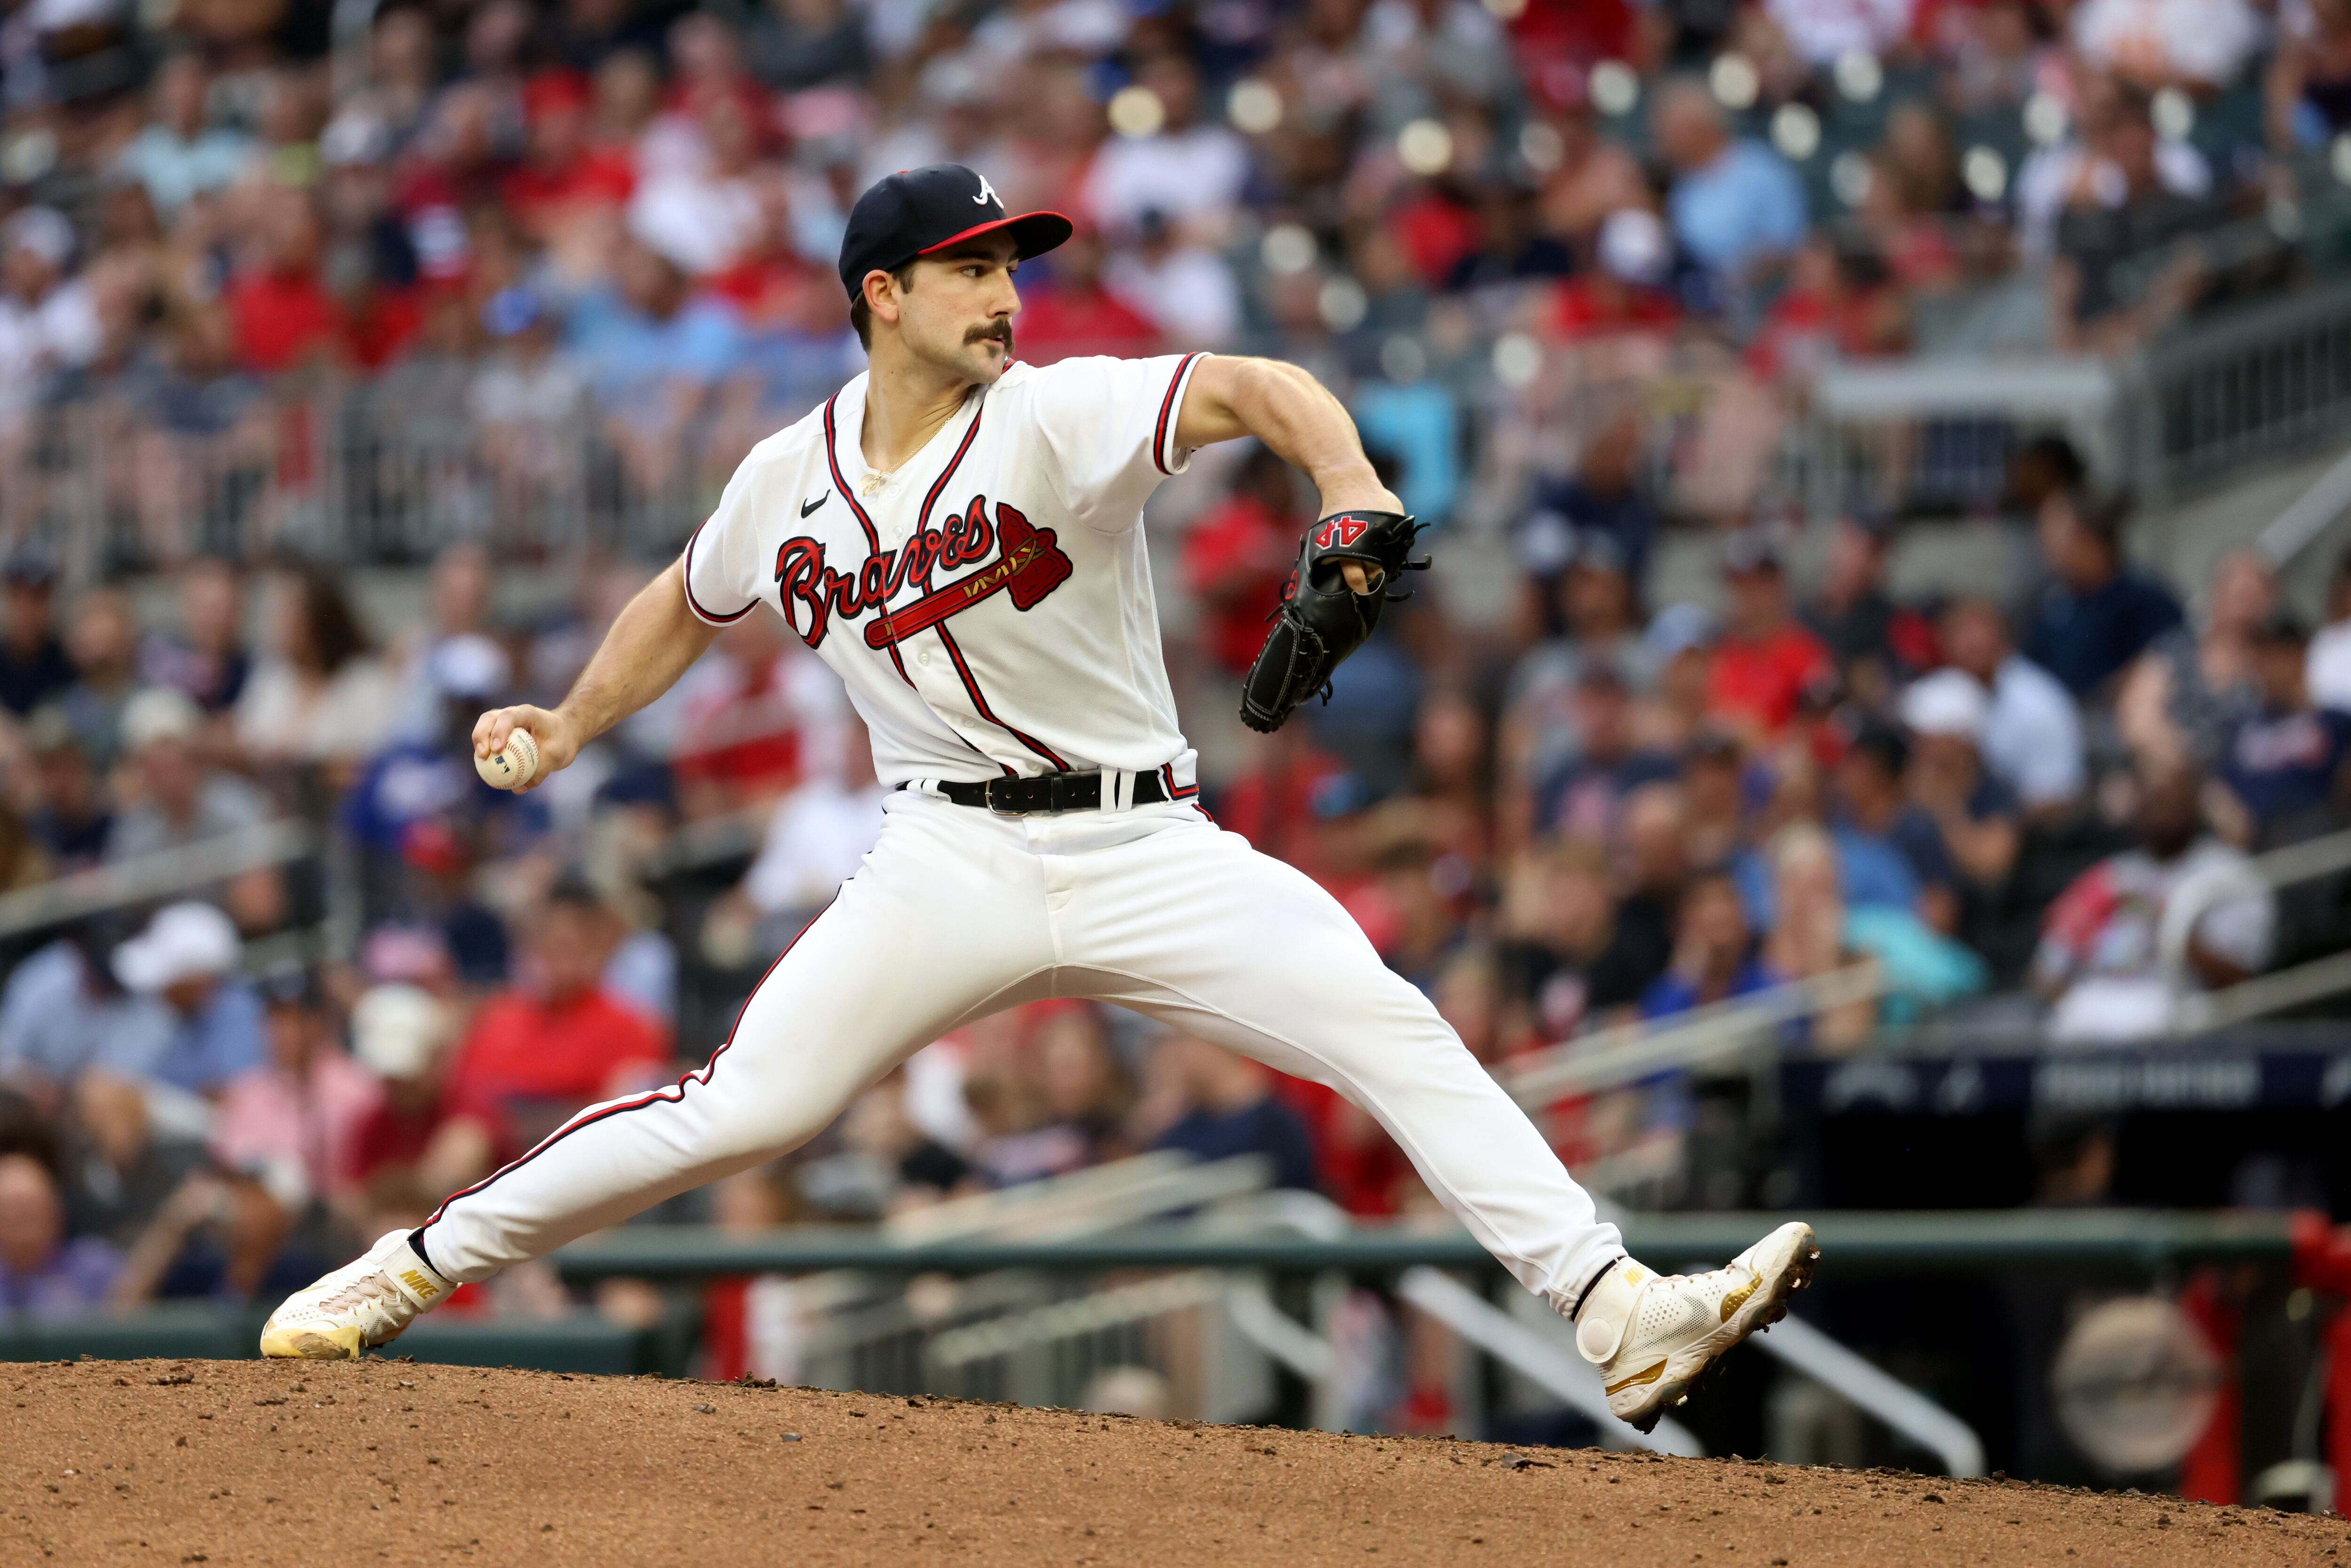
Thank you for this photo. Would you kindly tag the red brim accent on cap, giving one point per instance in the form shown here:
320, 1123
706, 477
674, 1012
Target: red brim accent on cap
1034, 233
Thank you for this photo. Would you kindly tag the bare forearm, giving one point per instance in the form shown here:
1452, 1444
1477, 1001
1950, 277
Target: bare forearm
1295, 415
650, 646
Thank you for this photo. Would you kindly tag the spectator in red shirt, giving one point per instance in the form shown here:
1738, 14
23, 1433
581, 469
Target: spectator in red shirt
400, 1033
561, 175
558, 1041
1841, 302
1624, 292
282, 313
1237, 557
1766, 659
1280, 801
1075, 314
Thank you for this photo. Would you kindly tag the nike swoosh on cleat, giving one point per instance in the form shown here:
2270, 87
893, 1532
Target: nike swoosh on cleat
808, 506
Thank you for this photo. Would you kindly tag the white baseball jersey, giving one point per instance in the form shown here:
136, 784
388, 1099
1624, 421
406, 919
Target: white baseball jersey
988, 606
990, 610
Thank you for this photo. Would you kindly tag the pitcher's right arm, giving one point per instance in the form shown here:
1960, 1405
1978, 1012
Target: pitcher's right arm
650, 646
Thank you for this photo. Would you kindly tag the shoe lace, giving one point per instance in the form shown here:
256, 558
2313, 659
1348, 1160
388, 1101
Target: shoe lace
373, 1300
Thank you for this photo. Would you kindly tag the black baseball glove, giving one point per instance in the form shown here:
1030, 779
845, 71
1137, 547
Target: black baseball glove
1320, 620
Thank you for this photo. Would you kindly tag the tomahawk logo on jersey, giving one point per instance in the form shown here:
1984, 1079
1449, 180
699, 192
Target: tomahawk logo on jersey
989, 605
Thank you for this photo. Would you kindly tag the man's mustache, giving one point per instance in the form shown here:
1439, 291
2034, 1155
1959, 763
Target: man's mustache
1000, 330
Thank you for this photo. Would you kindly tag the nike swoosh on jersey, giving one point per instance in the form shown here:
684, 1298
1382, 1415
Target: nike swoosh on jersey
808, 506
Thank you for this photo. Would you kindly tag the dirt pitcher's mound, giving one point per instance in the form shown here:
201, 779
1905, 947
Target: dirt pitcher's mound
382, 1461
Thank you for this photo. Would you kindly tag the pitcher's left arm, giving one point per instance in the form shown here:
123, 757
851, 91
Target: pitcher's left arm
1361, 541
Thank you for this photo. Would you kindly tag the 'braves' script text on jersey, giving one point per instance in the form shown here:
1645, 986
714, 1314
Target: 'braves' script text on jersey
989, 606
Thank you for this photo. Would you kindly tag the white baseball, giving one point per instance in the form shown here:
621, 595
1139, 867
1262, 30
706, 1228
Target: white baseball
512, 765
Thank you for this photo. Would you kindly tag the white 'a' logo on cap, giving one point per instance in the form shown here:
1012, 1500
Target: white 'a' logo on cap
987, 194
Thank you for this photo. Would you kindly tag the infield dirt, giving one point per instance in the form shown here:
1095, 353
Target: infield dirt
383, 1461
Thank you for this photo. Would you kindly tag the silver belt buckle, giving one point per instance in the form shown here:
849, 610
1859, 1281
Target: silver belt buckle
996, 811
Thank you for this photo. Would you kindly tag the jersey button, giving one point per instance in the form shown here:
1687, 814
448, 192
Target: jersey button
924, 657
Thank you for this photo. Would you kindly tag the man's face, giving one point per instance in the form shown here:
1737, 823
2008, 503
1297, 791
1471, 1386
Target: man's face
1713, 919
1600, 710
187, 996
571, 945
1864, 781
295, 1032
2278, 666
2170, 813
32, 1221
958, 315
1854, 562
1759, 599
169, 768
29, 611
2073, 553
1975, 639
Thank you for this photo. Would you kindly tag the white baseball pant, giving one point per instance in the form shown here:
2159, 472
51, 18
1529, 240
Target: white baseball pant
956, 914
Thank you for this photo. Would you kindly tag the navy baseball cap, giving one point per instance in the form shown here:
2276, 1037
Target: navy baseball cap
918, 211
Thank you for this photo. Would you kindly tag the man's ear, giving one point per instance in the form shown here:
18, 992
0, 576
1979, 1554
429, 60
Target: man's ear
882, 296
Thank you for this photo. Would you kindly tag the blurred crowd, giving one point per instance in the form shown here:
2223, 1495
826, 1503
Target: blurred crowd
1614, 806
1598, 815
522, 220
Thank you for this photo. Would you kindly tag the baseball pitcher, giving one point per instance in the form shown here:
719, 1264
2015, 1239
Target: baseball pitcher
960, 536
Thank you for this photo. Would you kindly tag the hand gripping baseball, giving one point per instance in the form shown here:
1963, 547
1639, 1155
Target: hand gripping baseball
1320, 619
553, 750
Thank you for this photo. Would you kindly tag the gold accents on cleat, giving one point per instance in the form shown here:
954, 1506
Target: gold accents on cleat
1678, 1328
365, 1303
313, 1344
1637, 1379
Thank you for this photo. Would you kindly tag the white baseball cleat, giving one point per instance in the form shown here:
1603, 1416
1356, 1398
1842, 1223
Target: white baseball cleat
360, 1305
1652, 1335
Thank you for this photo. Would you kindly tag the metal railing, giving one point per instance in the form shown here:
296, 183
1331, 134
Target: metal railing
1860, 1243
152, 877
1227, 1265
1704, 1036
2255, 384
1715, 1036
2246, 385
385, 471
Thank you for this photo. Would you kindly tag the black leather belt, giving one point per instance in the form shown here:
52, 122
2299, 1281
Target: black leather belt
1045, 792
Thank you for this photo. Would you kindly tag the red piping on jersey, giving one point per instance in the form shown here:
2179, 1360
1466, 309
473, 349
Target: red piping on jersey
670, 1095
971, 686
922, 519
1167, 413
1168, 775
873, 538
695, 604
970, 682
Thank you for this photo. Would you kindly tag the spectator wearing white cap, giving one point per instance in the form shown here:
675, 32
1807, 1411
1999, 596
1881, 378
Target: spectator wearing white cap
62, 1013
1945, 713
48, 321
2031, 736
1627, 292
187, 959
180, 799
402, 1034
